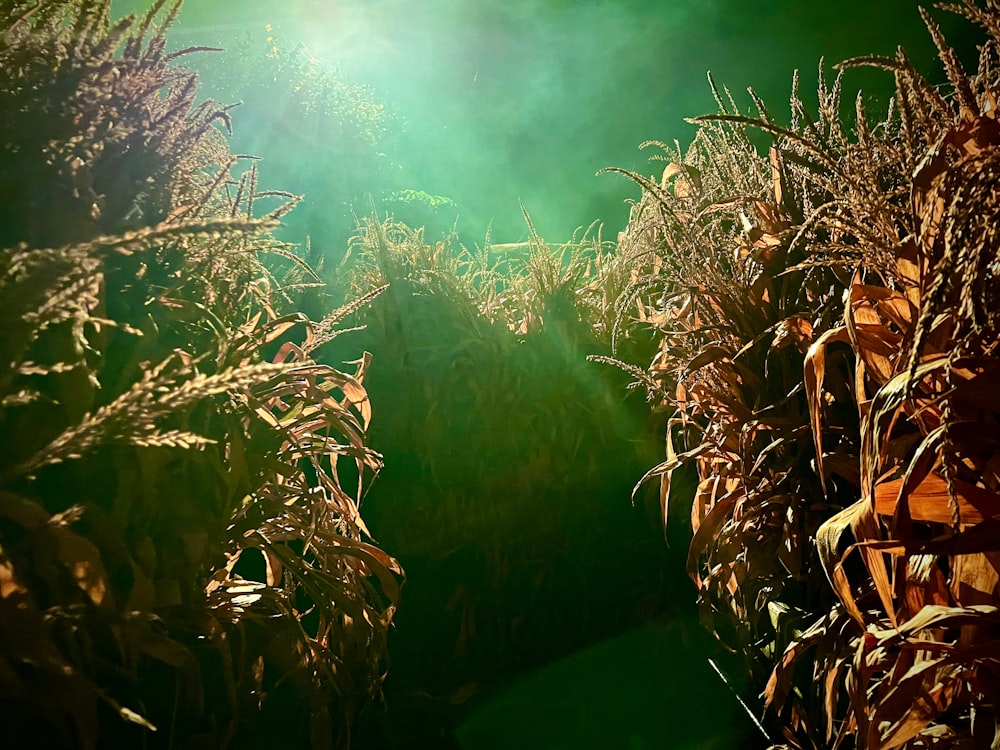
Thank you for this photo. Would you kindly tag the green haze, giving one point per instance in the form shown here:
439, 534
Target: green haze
497, 103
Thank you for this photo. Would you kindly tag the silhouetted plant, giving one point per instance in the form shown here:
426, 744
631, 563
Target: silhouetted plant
505, 491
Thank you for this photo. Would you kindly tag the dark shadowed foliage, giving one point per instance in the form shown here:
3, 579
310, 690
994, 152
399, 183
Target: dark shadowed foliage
509, 463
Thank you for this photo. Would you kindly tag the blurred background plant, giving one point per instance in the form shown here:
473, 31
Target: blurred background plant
328, 135
331, 136
827, 337
182, 563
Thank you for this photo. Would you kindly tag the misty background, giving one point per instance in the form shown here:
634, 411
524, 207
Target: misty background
492, 103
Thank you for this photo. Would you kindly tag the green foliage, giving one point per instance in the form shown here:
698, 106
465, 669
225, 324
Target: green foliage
419, 196
327, 135
509, 459
181, 555
436, 215
475, 331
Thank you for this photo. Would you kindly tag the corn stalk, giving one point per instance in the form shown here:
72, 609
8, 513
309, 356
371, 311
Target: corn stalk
828, 352
181, 552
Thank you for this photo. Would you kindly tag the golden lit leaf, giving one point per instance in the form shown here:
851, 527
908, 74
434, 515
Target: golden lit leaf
814, 372
930, 501
709, 528
795, 329
975, 578
83, 560
134, 718
922, 695
9, 585
856, 519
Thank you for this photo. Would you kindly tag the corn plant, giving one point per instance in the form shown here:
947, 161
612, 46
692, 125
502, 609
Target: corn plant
181, 554
828, 341
505, 491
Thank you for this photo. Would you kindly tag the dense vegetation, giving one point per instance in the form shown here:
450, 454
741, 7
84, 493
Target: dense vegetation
828, 320
509, 460
183, 562
314, 129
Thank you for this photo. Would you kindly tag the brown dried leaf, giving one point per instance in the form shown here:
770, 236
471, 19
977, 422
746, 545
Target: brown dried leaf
975, 578
931, 502
9, 583
83, 560
923, 694
814, 371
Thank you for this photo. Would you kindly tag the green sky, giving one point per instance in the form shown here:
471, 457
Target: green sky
524, 100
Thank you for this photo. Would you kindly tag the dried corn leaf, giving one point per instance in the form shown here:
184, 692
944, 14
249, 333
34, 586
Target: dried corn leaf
814, 372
